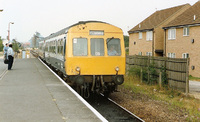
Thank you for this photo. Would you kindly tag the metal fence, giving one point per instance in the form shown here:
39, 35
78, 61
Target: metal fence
176, 69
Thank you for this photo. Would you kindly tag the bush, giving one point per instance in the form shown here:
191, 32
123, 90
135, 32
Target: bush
164, 77
145, 75
153, 74
1, 45
134, 71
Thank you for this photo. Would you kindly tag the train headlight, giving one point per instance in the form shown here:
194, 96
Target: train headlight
78, 69
117, 69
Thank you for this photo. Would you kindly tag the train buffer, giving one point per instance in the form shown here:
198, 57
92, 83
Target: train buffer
30, 92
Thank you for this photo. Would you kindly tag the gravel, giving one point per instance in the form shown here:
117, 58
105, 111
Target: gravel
146, 108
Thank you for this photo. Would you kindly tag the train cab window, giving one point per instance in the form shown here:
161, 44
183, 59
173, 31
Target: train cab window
97, 47
114, 47
80, 47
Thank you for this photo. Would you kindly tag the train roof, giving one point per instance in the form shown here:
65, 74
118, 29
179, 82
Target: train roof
65, 30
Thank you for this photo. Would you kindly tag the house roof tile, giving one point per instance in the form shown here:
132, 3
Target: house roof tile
156, 19
187, 18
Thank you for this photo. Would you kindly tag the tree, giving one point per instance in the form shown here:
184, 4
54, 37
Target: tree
126, 41
15, 45
34, 41
1, 44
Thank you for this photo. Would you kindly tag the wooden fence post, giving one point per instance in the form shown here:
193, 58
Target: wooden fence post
141, 75
187, 77
127, 62
148, 64
160, 79
175, 70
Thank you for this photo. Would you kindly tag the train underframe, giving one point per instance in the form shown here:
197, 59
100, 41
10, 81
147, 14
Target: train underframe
86, 85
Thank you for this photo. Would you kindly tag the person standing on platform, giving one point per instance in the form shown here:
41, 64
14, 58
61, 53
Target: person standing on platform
10, 54
5, 49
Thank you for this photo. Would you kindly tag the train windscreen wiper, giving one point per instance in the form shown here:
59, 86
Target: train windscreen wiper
109, 40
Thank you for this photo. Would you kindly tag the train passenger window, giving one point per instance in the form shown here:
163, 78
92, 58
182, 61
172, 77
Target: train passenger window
62, 50
80, 47
58, 46
62, 44
114, 47
46, 48
97, 47
54, 49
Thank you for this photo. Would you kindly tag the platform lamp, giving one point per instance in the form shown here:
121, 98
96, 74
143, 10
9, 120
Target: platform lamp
9, 30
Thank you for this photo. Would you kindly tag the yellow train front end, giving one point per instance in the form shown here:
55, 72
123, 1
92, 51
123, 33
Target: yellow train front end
95, 56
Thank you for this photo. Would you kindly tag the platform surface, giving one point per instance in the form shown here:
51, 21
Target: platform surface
31, 93
3, 66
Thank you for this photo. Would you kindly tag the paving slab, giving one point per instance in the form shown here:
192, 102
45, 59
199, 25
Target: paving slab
194, 87
3, 66
30, 92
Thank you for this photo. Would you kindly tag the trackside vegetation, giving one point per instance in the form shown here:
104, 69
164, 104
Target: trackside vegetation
1, 44
175, 99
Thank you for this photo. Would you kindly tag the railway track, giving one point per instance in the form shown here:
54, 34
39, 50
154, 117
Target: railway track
111, 110
108, 108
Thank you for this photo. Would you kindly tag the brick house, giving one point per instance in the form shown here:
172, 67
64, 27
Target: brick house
147, 38
182, 38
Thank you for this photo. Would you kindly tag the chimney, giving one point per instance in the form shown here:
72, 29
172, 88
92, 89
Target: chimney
194, 17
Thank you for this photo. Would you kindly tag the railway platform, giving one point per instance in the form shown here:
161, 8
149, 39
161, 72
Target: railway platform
31, 93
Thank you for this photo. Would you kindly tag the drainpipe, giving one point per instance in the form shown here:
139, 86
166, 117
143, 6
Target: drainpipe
153, 43
164, 52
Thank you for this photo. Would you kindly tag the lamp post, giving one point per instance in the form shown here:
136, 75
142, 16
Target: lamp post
9, 30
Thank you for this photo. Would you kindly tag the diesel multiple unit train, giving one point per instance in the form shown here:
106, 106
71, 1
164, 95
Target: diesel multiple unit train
89, 55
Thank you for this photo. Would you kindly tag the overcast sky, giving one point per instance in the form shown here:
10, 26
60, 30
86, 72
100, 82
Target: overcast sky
49, 16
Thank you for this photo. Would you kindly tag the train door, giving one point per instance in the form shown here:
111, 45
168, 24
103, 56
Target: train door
43, 50
64, 48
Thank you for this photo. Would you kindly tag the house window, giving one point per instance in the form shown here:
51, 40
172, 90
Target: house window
140, 53
186, 31
149, 35
172, 34
149, 53
185, 55
171, 55
140, 35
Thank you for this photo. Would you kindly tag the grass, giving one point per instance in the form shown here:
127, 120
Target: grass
175, 98
194, 78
